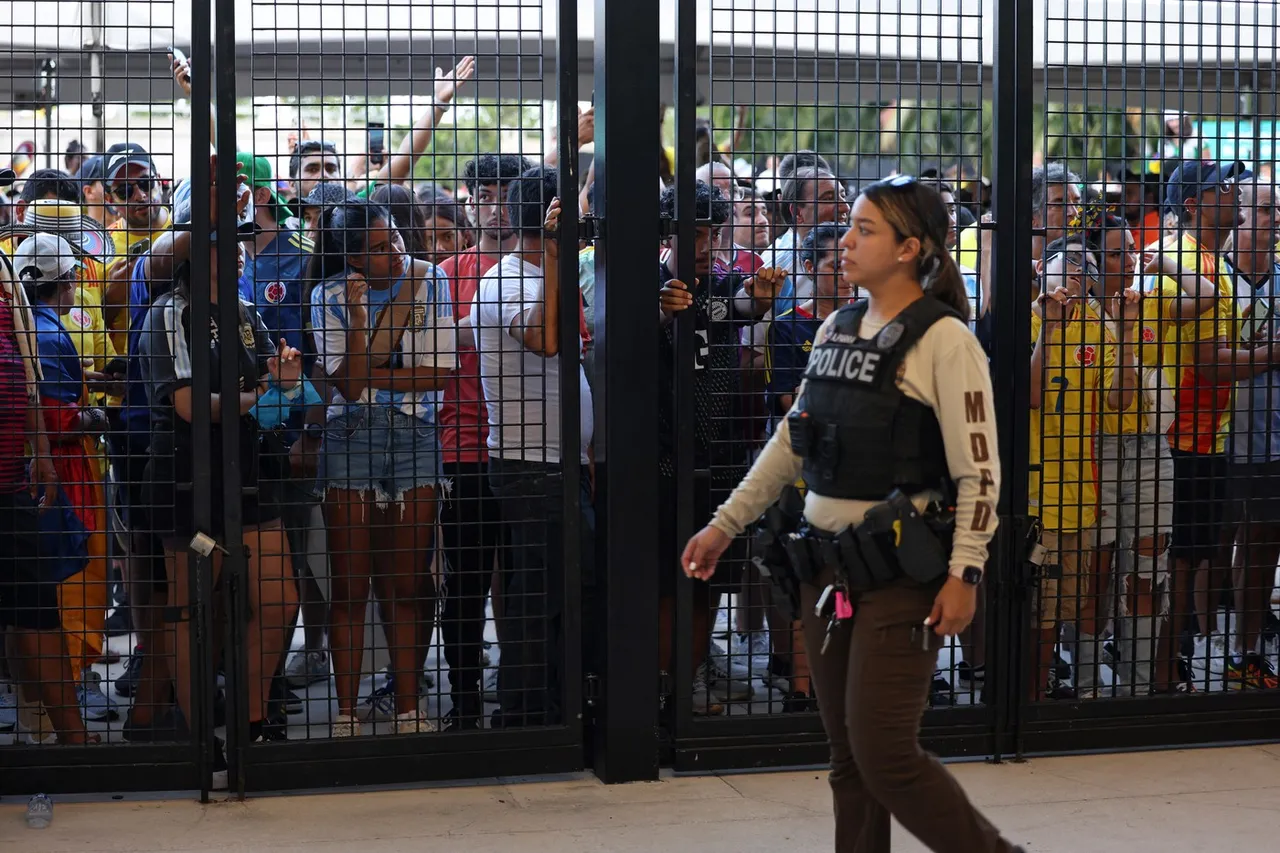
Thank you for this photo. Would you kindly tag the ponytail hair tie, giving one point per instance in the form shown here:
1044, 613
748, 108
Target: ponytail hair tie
931, 272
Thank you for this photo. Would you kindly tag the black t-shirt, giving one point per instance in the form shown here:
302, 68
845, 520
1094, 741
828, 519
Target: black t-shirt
165, 357
716, 381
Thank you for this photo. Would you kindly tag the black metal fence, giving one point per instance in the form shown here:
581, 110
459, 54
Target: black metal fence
392, 568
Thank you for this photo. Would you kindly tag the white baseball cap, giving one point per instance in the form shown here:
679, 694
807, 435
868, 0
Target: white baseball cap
43, 257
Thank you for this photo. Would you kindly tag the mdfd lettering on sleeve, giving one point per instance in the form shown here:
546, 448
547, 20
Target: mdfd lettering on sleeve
844, 364
975, 414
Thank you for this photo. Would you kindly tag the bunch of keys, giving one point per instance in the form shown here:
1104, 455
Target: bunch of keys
842, 610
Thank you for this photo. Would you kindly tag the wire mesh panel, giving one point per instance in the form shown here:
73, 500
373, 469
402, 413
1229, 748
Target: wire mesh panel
402, 163
97, 608
311, 485
797, 107
1152, 419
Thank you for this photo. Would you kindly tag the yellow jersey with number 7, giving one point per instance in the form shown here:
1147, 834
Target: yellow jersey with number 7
1062, 488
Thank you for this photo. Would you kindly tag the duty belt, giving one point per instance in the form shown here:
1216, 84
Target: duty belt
894, 540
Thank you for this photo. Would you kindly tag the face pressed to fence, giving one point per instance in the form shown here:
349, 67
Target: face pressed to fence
1217, 209
490, 211
1119, 260
384, 257
314, 168
827, 281
441, 239
751, 225
135, 193
827, 204
1259, 218
1063, 205
705, 238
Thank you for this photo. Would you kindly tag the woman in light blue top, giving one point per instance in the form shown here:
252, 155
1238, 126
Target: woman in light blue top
381, 324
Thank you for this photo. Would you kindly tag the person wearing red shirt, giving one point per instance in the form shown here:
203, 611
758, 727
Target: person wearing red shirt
469, 520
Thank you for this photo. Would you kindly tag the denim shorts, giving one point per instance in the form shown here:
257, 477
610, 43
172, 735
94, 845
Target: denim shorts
379, 450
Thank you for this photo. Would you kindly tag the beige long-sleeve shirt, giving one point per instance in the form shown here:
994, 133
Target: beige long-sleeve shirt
947, 371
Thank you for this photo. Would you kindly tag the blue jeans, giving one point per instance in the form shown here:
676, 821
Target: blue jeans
379, 450
531, 667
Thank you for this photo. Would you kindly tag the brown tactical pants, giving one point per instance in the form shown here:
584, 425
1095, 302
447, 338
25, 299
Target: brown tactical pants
872, 685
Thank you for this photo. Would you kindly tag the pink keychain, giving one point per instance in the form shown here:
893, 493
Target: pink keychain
844, 608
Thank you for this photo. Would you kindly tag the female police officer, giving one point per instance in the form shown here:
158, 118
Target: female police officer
896, 399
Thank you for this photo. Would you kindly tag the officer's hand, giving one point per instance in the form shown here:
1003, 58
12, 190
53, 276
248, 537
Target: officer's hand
953, 608
700, 555
674, 297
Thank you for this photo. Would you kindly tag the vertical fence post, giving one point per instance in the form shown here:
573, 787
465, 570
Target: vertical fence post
200, 567
571, 512
1010, 361
686, 85
234, 575
626, 387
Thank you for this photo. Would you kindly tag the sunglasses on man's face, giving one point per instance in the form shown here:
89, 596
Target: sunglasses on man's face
123, 191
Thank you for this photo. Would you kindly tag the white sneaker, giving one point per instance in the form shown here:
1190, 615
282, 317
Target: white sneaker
704, 704
735, 664
721, 625
344, 725
413, 722
34, 722
729, 688
1208, 660
757, 649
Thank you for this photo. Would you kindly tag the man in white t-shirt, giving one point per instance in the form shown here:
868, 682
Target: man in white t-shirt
516, 317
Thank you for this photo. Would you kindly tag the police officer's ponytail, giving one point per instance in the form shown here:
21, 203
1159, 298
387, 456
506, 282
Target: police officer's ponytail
945, 283
915, 209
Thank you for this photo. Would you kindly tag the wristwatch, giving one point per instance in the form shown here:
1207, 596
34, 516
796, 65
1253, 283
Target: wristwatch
313, 431
972, 575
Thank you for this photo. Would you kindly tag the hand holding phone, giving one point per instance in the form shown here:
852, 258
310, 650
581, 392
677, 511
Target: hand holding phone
181, 69
377, 141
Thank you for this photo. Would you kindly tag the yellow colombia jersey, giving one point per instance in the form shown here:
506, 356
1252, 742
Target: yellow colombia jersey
1201, 404
131, 245
1146, 409
1064, 491
968, 250
84, 322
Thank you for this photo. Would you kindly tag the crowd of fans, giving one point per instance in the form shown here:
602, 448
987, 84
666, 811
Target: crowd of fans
399, 373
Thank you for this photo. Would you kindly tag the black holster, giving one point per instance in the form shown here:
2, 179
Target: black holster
780, 554
894, 540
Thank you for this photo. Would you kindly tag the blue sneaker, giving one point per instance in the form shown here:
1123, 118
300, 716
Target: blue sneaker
95, 705
381, 703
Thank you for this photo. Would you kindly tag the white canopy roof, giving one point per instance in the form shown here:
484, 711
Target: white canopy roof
379, 46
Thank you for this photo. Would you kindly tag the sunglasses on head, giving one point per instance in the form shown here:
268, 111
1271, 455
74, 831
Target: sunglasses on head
311, 146
898, 181
124, 190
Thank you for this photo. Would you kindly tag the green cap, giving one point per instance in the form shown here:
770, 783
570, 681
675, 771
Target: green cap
258, 173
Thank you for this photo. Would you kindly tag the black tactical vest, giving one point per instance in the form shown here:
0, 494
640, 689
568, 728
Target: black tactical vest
860, 436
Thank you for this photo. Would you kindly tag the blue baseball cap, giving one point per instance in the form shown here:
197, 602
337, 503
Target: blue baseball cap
1194, 177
